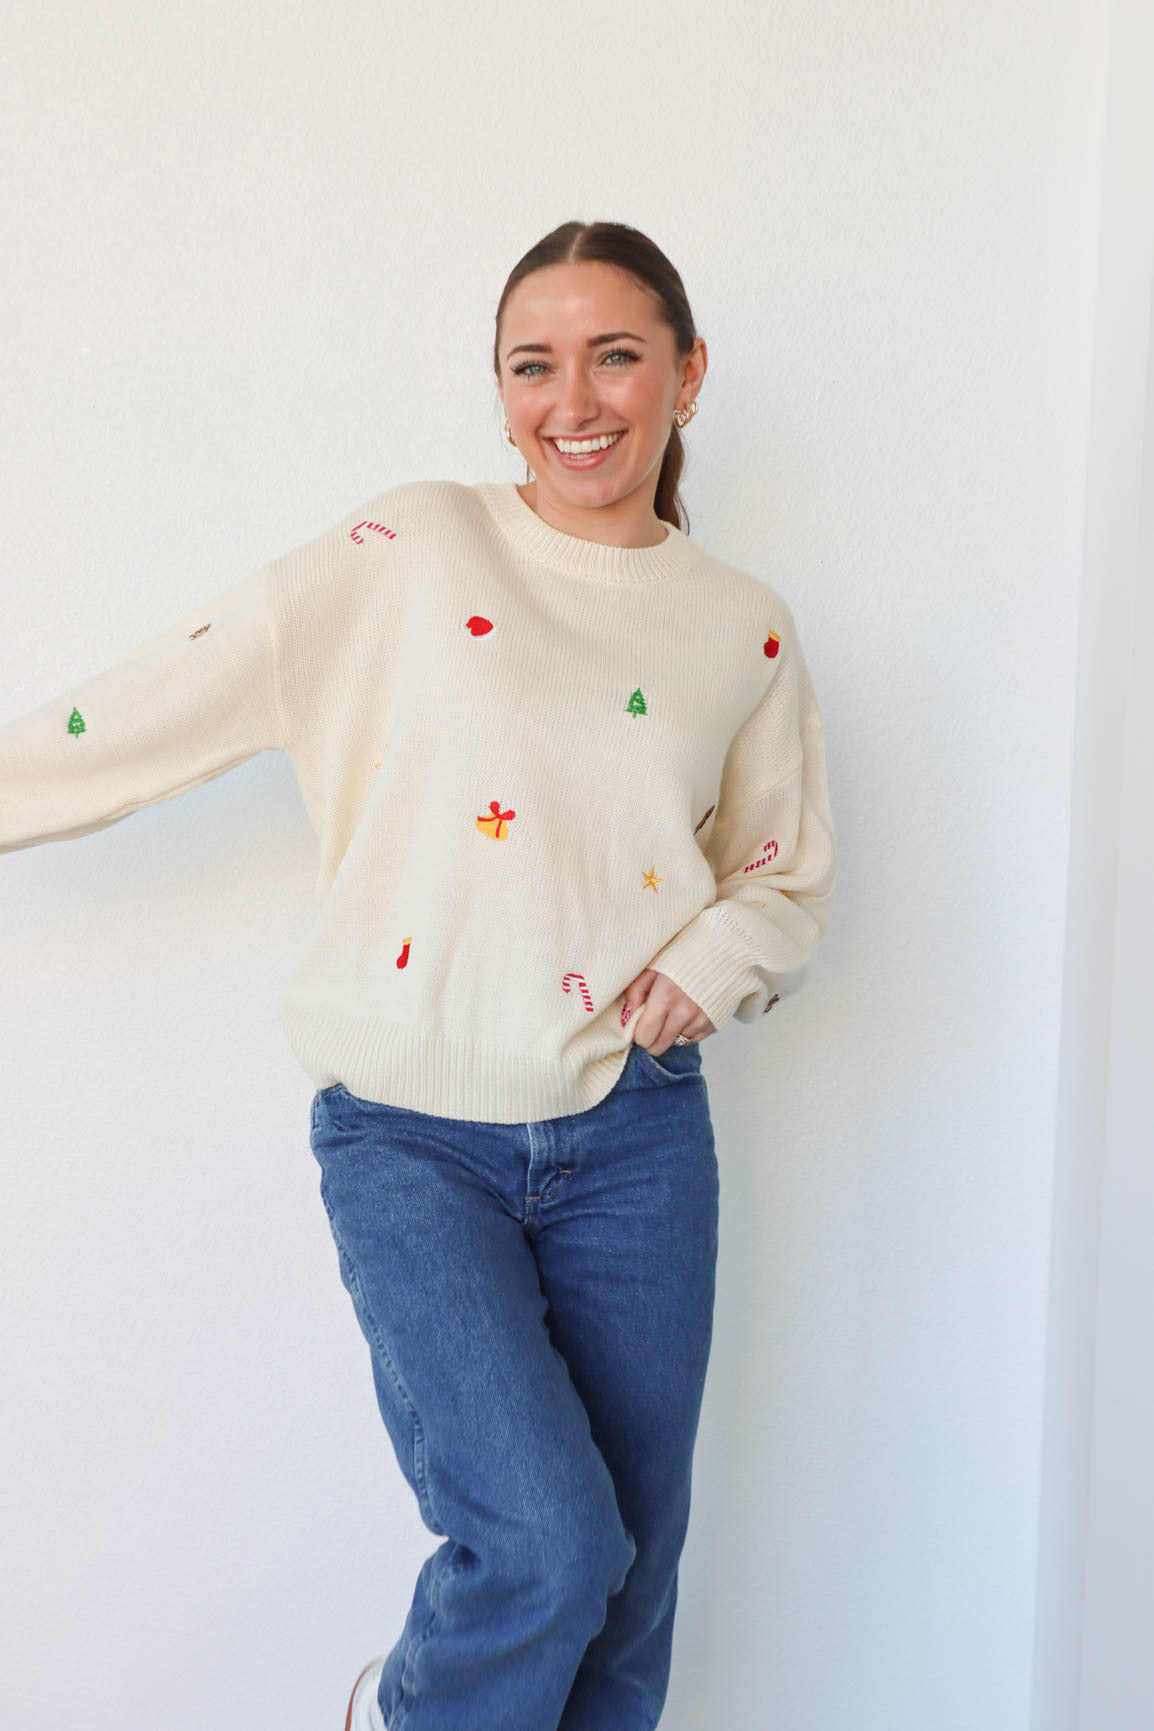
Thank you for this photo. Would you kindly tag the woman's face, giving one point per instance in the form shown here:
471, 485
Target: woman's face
584, 352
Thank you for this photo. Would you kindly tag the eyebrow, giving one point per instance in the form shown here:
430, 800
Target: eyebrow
547, 348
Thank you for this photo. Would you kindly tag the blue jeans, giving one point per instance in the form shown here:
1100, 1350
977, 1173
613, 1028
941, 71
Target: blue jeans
538, 1303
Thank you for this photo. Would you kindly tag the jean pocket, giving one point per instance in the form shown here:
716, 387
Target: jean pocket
674, 1063
322, 1106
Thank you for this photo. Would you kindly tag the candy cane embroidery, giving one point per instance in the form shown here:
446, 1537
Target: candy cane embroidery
199, 632
379, 528
636, 704
496, 822
768, 852
772, 644
582, 987
76, 723
652, 880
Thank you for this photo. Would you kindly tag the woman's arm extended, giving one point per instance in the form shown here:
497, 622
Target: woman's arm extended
183, 707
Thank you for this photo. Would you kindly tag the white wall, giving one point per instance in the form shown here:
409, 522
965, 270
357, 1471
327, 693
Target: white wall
1102, 1392
1117, 1684
1096, 1526
255, 258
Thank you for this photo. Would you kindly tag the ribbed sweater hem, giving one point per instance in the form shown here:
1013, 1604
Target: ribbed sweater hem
442, 1075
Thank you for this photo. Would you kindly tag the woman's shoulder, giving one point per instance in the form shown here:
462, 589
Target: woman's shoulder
745, 588
425, 508
413, 497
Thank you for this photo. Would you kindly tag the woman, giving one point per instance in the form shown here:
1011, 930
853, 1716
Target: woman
566, 770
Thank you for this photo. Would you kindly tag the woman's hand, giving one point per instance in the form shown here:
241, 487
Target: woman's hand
668, 1011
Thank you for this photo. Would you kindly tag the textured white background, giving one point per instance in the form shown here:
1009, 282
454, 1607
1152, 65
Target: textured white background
252, 259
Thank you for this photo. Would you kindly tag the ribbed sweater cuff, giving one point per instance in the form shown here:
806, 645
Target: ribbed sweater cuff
710, 962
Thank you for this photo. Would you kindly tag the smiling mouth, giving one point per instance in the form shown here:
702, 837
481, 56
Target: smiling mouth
588, 445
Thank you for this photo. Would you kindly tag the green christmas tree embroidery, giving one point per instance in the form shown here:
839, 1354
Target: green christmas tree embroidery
636, 704
76, 722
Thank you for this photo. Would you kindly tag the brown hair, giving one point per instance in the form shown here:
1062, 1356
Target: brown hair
617, 244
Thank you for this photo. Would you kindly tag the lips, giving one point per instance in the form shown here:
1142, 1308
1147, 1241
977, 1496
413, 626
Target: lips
613, 433
581, 462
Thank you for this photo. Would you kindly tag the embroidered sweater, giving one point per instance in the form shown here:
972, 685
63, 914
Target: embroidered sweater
535, 765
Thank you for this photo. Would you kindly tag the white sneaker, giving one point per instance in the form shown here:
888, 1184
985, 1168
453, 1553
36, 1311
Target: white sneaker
364, 1712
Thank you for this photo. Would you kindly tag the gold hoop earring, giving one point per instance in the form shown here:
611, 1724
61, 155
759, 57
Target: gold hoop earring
683, 416
509, 433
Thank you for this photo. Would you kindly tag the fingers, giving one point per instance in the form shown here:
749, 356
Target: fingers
636, 994
668, 1012
667, 1038
656, 1035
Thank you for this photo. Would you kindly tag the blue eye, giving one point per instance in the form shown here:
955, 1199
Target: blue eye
525, 368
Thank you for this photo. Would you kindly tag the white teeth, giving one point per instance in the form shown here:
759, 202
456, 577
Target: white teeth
580, 447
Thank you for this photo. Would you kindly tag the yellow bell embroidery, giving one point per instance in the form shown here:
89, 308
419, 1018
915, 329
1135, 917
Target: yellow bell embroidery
495, 822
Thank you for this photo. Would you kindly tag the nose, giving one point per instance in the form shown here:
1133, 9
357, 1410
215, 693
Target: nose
578, 400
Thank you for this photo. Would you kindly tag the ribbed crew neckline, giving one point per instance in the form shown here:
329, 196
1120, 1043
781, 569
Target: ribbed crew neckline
538, 540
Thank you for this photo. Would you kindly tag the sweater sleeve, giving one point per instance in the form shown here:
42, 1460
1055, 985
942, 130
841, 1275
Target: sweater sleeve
772, 849
181, 708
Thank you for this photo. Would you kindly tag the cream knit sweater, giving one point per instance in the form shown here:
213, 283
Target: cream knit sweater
535, 765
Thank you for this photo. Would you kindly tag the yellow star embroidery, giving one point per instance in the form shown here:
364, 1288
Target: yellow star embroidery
652, 880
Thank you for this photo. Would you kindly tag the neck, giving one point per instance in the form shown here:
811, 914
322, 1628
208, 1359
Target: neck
544, 545
627, 522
